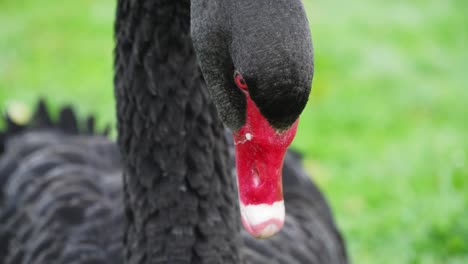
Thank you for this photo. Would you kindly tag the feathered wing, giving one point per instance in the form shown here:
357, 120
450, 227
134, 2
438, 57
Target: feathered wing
60, 192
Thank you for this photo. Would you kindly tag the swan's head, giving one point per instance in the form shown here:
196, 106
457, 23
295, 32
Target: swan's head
257, 59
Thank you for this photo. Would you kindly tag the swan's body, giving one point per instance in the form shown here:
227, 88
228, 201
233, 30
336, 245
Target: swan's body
61, 202
62, 193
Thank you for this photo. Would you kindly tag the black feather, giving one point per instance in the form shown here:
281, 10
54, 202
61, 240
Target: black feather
41, 117
67, 121
60, 193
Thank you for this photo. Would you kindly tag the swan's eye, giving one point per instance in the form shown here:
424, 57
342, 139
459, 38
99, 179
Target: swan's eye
240, 82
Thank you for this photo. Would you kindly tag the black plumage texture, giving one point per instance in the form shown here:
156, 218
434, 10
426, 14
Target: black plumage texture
177, 184
60, 192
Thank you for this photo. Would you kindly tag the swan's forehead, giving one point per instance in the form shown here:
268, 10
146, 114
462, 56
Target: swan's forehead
265, 28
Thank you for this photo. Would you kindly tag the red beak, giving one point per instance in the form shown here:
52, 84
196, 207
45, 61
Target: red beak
260, 151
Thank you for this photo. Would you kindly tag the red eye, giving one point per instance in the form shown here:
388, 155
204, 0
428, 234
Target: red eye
240, 82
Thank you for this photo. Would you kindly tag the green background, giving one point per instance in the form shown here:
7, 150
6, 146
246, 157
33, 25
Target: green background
384, 134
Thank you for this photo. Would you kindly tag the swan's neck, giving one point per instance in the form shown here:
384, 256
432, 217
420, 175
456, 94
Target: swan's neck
179, 194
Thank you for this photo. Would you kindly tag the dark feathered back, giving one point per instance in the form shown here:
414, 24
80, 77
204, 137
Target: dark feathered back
60, 190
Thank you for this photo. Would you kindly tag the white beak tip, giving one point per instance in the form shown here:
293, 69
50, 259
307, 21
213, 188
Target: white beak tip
263, 220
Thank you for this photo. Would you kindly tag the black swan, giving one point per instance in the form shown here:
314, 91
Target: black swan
61, 192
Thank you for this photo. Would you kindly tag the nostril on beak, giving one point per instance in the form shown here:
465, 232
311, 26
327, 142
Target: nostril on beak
256, 177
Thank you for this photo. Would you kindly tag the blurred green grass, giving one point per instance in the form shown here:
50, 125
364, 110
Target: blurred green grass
384, 134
